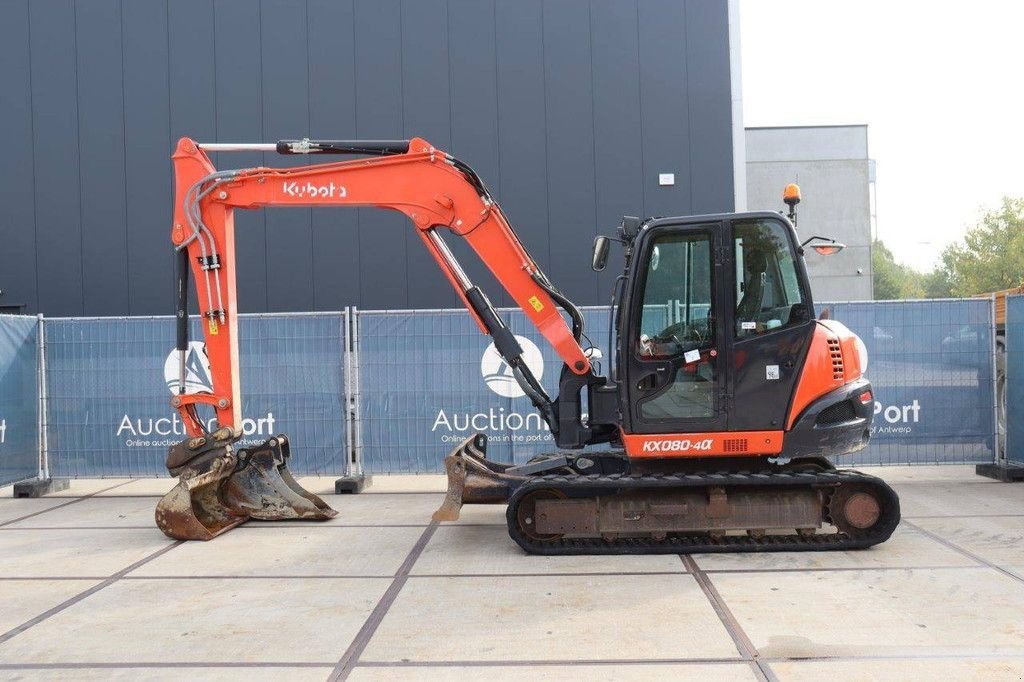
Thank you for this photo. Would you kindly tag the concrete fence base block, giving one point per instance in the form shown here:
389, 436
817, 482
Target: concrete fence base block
349, 485
1007, 473
38, 487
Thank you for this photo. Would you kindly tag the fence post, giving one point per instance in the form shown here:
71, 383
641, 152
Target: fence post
355, 479
347, 381
998, 447
44, 455
357, 398
43, 484
1002, 468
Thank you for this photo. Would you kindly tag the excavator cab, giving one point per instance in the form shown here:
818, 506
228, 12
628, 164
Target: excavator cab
720, 366
714, 322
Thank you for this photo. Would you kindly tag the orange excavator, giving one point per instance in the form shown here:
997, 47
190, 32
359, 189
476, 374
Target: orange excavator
724, 401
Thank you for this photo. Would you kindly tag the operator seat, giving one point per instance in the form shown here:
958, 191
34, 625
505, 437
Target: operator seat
749, 306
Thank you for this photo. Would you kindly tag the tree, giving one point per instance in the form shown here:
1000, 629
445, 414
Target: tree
991, 256
936, 284
894, 280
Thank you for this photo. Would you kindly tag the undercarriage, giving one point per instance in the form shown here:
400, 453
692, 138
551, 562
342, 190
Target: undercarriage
604, 503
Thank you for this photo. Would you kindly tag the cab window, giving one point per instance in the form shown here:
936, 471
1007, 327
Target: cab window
768, 294
677, 296
677, 324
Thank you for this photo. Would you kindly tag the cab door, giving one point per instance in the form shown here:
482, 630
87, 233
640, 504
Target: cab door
773, 321
675, 370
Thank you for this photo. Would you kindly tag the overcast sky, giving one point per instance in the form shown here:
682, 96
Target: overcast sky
940, 85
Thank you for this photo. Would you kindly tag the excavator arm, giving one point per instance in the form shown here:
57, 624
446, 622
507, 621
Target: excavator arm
435, 191
219, 486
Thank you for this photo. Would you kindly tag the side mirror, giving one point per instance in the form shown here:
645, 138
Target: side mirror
600, 258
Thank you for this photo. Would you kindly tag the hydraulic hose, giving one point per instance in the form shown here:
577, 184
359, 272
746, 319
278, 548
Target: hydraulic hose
181, 315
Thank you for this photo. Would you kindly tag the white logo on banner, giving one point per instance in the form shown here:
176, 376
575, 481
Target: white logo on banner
197, 370
3, 430
498, 375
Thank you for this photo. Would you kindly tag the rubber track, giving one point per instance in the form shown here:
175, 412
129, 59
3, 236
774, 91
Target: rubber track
594, 485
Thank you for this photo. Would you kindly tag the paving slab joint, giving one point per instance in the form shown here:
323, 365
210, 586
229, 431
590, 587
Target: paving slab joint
351, 657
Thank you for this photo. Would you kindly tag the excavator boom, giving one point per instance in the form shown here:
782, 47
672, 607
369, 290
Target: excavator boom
429, 186
434, 190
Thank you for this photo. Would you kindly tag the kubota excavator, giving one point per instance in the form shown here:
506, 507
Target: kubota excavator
724, 400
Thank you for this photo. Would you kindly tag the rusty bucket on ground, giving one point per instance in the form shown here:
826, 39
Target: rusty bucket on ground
219, 488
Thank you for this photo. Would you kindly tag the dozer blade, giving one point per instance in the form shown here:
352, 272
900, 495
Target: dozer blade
474, 479
218, 488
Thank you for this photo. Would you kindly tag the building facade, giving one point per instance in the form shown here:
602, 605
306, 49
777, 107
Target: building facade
572, 111
835, 173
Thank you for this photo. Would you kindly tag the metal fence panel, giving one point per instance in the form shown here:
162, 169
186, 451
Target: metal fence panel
424, 380
931, 368
429, 379
19, 398
108, 381
1015, 379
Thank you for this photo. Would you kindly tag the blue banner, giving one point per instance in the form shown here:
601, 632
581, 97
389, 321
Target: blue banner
110, 382
19, 398
931, 369
1014, 385
428, 380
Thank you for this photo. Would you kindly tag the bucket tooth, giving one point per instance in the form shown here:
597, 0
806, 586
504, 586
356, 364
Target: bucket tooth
263, 488
474, 479
219, 488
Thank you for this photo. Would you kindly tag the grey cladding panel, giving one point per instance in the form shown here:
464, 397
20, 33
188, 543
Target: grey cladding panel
57, 192
570, 147
568, 109
618, 162
332, 115
240, 118
101, 141
664, 105
474, 93
192, 79
522, 138
382, 246
426, 113
286, 115
17, 196
707, 67
147, 151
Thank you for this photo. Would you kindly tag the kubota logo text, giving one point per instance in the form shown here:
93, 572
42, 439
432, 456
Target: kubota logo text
313, 190
677, 445
498, 375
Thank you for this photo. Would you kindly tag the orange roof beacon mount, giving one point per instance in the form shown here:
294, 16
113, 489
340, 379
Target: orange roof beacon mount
723, 404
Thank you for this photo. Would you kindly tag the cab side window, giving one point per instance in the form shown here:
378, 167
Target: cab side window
676, 315
677, 325
768, 294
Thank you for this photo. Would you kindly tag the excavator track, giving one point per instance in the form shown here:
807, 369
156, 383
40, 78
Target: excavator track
862, 509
